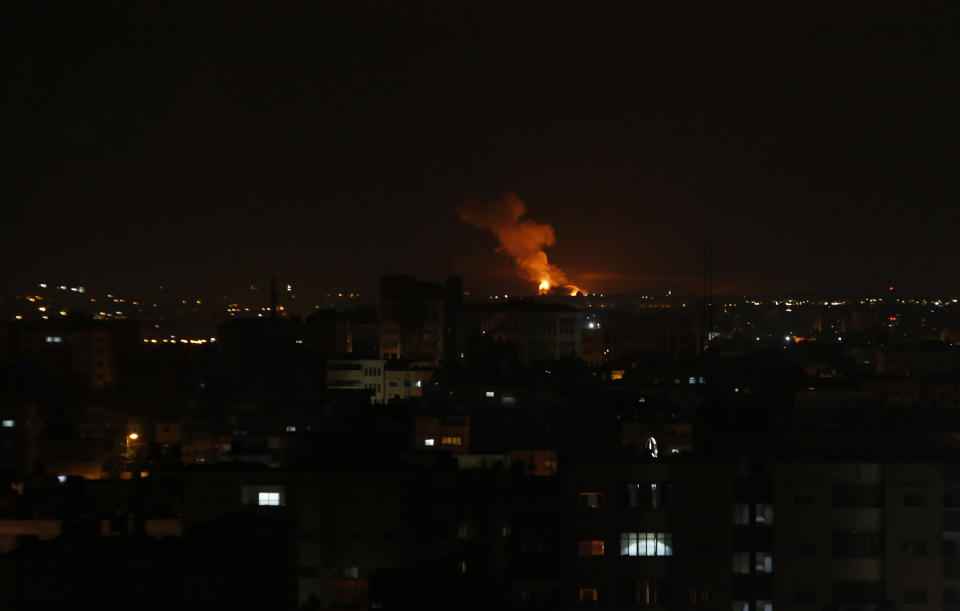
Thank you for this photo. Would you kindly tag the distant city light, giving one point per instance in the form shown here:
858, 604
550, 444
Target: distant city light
133, 436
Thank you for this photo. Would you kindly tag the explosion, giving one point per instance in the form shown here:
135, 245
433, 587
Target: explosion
521, 239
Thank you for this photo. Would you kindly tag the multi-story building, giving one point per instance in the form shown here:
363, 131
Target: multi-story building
762, 535
525, 331
382, 379
411, 319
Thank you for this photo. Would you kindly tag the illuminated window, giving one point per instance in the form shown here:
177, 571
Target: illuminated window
54, 339
764, 562
588, 595
268, 499
764, 513
429, 442
646, 544
591, 500
8, 424
490, 394
592, 547
291, 429
451, 441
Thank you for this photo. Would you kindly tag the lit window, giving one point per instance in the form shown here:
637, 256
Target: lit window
764, 514
692, 380
54, 339
646, 544
8, 424
764, 563
419, 384
451, 441
591, 548
588, 595
268, 499
291, 429
429, 442
764, 605
591, 500
490, 394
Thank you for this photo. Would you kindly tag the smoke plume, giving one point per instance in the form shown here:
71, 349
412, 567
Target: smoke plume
522, 239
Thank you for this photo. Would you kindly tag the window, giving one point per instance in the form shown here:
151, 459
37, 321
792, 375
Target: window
291, 429
466, 529
915, 597
593, 547
764, 562
268, 499
914, 548
701, 596
8, 424
648, 496
490, 394
645, 592
451, 441
914, 500
860, 592
858, 495
591, 500
741, 514
764, 513
849, 544
429, 442
588, 595
741, 563
764, 605
54, 339
701, 499
646, 544
741, 605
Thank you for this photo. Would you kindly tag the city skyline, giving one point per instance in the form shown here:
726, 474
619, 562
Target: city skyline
208, 151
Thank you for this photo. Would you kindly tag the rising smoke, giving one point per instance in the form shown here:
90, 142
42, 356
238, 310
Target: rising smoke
521, 239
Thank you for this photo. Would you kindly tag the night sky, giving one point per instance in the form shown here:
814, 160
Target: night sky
208, 148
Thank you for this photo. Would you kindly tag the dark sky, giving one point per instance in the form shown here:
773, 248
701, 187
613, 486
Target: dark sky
210, 147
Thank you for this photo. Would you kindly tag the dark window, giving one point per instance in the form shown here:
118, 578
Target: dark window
847, 544
864, 496
915, 548
857, 592
654, 495
914, 500
645, 592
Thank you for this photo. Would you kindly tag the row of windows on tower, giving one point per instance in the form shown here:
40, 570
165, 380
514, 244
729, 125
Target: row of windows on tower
632, 544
